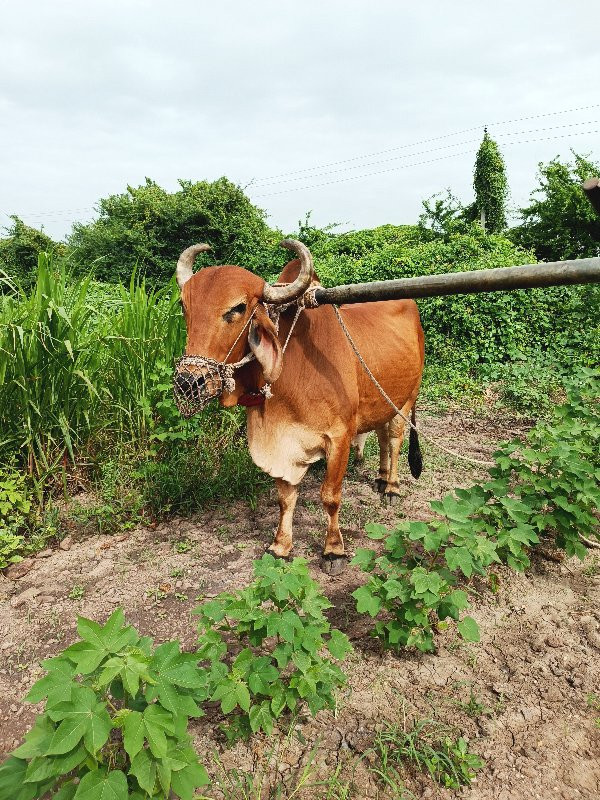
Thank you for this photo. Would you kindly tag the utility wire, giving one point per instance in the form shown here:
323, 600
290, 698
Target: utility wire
427, 141
57, 215
406, 166
423, 152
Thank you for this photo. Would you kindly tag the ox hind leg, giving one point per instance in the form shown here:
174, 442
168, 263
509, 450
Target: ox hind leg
395, 436
334, 558
282, 543
391, 493
359, 444
383, 437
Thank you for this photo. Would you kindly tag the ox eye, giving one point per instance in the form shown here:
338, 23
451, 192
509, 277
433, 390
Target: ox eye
239, 309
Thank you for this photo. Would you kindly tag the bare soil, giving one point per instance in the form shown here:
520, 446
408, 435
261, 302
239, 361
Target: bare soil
520, 695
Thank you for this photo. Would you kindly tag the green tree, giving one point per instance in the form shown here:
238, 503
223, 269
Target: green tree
19, 251
491, 189
149, 227
559, 223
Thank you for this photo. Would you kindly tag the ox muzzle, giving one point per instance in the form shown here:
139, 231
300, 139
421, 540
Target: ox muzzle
198, 380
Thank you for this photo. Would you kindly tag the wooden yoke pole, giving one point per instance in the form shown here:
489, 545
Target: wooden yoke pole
529, 276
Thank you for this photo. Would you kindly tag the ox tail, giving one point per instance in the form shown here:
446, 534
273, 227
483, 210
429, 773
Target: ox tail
415, 459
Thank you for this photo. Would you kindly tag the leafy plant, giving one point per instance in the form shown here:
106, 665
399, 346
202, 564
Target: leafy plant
415, 581
15, 505
114, 724
559, 223
546, 486
489, 182
280, 623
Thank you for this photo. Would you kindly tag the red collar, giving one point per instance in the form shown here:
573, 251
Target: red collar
251, 399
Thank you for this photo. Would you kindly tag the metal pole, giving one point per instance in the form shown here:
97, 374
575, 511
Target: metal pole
530, 276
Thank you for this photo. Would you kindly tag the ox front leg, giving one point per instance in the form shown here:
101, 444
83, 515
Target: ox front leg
282, 543
334, 557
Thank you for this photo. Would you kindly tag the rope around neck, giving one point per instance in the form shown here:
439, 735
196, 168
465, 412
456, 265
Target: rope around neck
391, 403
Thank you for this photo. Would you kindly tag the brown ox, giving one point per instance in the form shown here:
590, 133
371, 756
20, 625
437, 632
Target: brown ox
321, 396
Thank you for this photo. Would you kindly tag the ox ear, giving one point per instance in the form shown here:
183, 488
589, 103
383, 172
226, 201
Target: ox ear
265, 345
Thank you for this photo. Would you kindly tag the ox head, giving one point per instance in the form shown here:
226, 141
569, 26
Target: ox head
227, 323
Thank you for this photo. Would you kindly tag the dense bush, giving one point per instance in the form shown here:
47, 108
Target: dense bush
279, 621
85, 371
147, 227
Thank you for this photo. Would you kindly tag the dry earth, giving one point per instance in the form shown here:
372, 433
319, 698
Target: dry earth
528, 679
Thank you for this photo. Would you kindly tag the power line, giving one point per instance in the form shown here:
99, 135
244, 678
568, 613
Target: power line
425, 152
427, 141
406, 166
59, 214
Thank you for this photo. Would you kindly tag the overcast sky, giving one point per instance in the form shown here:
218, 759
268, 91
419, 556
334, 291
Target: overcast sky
98, 95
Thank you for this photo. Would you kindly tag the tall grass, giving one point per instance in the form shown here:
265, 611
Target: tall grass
85, 376
48, 369
146, 330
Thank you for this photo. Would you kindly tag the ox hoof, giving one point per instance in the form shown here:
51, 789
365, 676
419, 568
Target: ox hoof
391, 499
379, 485
271, 552
333, 564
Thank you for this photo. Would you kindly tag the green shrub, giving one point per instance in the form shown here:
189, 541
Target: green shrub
547, 486
115, 721
15, 506
279, 621
19, 252
147, 227
471, 333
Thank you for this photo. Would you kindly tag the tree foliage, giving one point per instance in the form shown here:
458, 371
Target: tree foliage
19, 251
149, 227
559, 223
491, 188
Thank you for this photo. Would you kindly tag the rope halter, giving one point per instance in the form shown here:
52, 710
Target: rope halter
194, 389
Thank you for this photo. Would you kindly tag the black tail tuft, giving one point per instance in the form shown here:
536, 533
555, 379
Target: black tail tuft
415, 459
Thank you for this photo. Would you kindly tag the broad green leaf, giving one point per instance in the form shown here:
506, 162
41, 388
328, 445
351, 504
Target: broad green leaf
459, 558
261, 717
56, 685
102, 785
184, 782
156, 737
338, 645
98, 729
366, 601
242, 696
468, 629
133, 733
376, 531
68, 734
66, 792
37, 739
143, 768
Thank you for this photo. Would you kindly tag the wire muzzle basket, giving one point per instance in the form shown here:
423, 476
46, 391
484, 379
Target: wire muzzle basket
198, 380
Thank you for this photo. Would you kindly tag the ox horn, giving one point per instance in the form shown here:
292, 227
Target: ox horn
291, 291
185, 265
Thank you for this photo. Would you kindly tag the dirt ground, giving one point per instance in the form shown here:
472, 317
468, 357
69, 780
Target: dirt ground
520, 695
